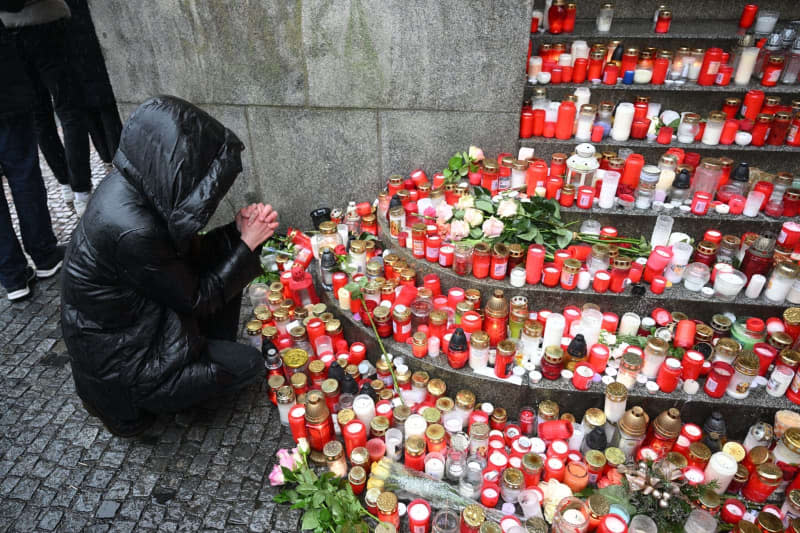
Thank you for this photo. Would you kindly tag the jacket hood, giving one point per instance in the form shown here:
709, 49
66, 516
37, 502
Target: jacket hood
182, 160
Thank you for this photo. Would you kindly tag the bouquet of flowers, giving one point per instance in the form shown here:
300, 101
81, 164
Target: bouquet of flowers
328, 503
440, 494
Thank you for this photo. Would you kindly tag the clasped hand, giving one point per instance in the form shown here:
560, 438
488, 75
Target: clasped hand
256, 223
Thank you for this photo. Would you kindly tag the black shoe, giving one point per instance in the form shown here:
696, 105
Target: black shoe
126, 430
54, 265
20, 292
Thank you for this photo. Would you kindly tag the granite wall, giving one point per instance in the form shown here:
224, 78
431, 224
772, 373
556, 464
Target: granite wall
330, 96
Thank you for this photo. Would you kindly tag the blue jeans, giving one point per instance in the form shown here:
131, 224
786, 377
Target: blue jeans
19, 159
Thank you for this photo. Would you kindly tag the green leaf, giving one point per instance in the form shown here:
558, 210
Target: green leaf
484, 205
475, 233
447, 173
463, 171
674, 124
458, 214
318, 498
455, 162
529, 235
310, 520
563, 237
539, 238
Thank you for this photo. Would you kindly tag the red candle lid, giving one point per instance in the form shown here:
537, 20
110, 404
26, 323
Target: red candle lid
755, 325
661, 316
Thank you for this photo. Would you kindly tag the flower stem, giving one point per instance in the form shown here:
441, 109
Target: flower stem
383, 349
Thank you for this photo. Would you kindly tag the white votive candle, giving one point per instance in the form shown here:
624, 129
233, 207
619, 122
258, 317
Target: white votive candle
720, 468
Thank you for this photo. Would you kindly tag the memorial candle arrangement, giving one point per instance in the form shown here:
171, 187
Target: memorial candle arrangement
755, 120
519, 240
544, 467
763, 51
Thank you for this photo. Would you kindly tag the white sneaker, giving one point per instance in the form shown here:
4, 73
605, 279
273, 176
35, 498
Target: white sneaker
81, 201
67, 194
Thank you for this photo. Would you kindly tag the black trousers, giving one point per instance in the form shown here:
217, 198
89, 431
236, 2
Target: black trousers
43, 49
236, 365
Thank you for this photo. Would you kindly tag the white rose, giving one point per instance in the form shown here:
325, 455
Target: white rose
465, 201
507, 208
473, 217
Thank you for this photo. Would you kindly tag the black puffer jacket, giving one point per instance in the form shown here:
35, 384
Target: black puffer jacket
137, 276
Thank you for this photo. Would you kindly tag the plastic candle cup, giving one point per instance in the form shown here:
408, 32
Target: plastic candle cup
623, 120
753, 203
695, 276
727, 285
721, 468
608, 189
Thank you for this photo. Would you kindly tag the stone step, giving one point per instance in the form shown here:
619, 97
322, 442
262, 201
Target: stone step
675, 298
767, 158
757, 406
621, 89
721, 32
638, 222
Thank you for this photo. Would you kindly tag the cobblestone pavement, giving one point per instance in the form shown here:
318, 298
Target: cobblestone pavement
60, 470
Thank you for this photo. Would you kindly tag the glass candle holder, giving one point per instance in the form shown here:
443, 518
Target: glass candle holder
571, 516
728, 284
695, 276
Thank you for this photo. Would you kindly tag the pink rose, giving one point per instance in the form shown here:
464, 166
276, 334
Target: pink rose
458, 230
286, 459
429, 212
492, 228
276, 476
444, 212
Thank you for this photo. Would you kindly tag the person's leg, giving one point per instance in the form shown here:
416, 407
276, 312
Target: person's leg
224, 324
225, 367
47, 132
112, 126
97, 133
20, 162
44, 47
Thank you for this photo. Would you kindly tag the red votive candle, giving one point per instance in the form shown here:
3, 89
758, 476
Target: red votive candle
419, 516
455, 296
610, 322
582, 377
701, 201
668, 374
664, 135
718, 379
692, 363
658, 284
490, 495
551, 276
534, 264
601, 281
598, 358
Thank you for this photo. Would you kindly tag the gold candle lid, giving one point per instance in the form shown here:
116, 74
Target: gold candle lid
465, 400
445, 404
473, 515
333, 450
387, 502
437, 387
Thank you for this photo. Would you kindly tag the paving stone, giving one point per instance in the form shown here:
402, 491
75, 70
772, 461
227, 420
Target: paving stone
50, 520
107, 509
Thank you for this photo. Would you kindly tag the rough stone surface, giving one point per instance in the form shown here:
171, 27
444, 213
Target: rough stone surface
314, 156
60, 470
246, 52
415, 55
275, 72
434, 136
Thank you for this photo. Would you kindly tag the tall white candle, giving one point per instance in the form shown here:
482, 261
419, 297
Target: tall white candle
747, 63
721, 468
629, 324
623, 119
364, 407
553, 330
